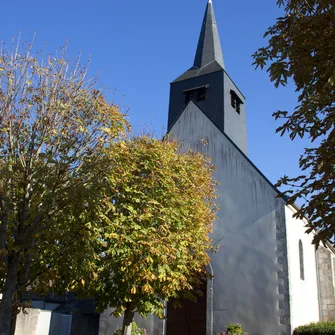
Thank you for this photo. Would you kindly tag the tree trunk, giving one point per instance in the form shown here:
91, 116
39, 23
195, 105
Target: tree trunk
13, 322
6, 305
14, 316
6, 311
127, 322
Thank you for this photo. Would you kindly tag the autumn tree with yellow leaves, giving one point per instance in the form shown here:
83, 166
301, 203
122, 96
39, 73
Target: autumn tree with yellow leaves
54, 126
125, 221
158, 210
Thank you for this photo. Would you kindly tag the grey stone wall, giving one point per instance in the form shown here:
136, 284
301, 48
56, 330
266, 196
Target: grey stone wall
326, 283
282, 274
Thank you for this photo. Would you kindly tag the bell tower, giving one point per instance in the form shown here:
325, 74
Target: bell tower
209, 86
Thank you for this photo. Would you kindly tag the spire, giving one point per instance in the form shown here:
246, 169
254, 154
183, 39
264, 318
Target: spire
209, 47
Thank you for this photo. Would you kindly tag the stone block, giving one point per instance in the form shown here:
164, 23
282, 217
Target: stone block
284, 304
284, 320
282, 289
281, 260
280, 275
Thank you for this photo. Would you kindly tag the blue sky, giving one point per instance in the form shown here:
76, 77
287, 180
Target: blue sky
139, 47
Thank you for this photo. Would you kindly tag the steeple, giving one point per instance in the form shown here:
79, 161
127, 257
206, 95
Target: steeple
207, 86
209, 47
208, 57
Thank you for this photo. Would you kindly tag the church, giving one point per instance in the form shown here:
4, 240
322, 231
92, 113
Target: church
266, 275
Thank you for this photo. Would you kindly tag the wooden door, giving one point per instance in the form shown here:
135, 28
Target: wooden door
190, 319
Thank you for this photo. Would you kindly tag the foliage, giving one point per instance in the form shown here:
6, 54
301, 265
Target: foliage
233, 329
301, 47
158, 213
317, 328
134, 330
54, 128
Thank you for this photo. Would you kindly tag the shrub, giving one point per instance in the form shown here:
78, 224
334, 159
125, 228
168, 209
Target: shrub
134, 330
233, 329
316, 328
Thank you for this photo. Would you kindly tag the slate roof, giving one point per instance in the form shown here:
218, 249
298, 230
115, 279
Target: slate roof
195, 72
68, 302
208, 57
84, 306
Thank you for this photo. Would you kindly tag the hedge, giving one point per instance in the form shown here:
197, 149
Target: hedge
316, 328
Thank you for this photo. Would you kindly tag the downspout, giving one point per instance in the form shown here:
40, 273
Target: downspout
165, 317
318, 282
210, 301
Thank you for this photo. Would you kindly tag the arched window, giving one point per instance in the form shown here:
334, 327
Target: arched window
301, 258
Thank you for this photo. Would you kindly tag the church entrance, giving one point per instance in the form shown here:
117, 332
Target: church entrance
190, 319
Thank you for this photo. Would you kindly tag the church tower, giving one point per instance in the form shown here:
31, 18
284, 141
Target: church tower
209, 86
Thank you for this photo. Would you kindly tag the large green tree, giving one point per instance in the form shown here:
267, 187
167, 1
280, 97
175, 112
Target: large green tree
157, 213
54, 128
301, 47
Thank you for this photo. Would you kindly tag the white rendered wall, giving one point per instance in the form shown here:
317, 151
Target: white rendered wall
33, 322
43, 324
303, 293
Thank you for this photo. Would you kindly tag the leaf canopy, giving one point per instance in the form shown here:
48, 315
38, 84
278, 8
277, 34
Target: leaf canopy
301, 47
158, 211
54, 127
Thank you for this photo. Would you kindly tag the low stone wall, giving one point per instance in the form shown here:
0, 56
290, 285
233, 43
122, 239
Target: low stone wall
33, 322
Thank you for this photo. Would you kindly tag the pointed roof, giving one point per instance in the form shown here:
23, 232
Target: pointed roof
209, 46
208, 57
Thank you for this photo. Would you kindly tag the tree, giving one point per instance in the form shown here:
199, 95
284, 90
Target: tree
158, 209
301, 47
54, 128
